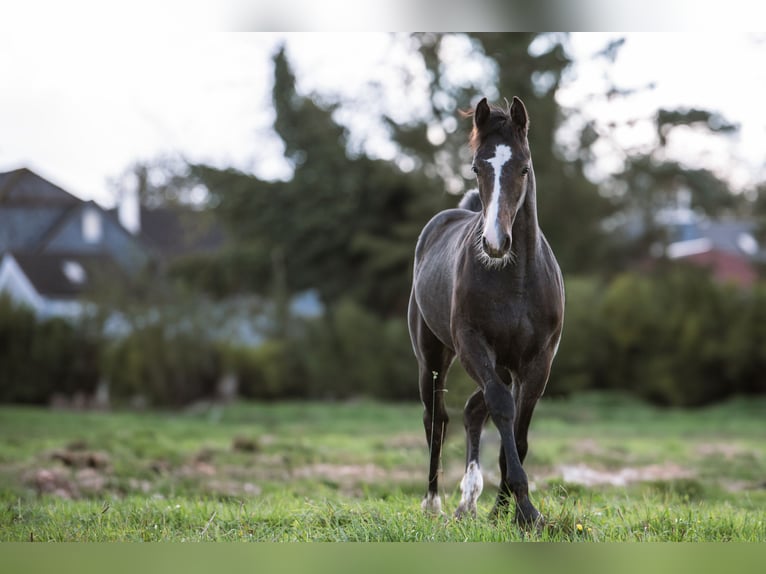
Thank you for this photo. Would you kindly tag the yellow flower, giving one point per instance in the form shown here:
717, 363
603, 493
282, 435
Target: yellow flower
579, 527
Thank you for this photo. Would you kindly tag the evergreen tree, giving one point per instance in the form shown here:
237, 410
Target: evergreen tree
570, 207
344, 226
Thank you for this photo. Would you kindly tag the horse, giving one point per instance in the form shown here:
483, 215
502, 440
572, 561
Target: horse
487, 289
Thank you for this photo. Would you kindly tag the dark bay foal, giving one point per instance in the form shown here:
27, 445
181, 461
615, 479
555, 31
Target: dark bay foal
487, 289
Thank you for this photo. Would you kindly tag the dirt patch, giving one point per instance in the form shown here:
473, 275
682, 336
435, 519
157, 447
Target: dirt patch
406, 441
588, 446
588, 476
725, 450
81, 458
245, 444
66, 483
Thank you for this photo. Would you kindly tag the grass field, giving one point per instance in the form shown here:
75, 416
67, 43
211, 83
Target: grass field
602, 468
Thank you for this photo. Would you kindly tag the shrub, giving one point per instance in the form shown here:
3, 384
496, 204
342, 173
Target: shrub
267, 372
350, 352
162, 363
581, 356
41, 358
665, 336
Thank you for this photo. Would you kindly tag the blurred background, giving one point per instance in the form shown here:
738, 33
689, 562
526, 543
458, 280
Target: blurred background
204, 217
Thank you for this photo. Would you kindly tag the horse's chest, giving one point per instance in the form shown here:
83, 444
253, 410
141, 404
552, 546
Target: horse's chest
516, 327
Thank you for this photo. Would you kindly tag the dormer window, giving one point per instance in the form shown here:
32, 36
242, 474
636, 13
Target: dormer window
92, 226
74, 272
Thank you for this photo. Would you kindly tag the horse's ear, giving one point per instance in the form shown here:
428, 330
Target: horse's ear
519, 115
481, 114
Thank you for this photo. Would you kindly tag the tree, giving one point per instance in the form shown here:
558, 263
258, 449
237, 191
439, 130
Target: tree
344, 226
570, 207
652, 181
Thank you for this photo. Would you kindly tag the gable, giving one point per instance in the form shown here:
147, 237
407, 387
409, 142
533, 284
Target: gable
88, 229
24, 187
23, 227
30, 207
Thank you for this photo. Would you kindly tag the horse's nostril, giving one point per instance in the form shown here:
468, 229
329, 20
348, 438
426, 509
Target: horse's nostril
506, 243
484, 244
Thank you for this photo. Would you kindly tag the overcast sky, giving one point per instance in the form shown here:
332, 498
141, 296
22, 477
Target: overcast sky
80, 109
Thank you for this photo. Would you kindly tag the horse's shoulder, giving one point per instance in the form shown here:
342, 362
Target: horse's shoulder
449, 216
442, 226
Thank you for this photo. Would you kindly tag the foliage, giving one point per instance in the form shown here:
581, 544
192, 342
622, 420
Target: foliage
673, 337
161, 364
42, 358
346, 353
651, 182
268, 372
712, 121
342, 225
570, 207
350, 353
346, 224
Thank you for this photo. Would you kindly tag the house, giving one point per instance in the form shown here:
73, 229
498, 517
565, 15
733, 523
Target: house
52, 284
727, 247
54, 246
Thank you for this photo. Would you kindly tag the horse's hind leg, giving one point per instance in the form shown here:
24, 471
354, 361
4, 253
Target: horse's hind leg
434, 360
435, 421
475, 416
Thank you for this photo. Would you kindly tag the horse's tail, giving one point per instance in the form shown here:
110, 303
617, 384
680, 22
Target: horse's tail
471, 201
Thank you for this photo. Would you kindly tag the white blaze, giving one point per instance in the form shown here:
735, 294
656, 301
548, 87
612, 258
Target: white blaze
501, 157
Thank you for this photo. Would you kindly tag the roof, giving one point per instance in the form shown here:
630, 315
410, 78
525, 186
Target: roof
177, 231
30, 207
67, 274
24, 187
735, 237
34, 211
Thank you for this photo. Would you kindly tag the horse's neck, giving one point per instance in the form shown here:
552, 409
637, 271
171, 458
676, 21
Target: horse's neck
526, 232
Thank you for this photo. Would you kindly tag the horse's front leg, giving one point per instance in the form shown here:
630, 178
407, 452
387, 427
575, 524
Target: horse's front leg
479, 361
474, 416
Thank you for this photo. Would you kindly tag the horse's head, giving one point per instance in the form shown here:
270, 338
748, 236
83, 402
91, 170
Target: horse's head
503, 166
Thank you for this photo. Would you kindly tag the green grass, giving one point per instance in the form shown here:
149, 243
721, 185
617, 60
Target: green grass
356, 472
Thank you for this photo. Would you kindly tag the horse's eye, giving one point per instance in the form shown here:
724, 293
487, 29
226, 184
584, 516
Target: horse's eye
475, 169
525, 170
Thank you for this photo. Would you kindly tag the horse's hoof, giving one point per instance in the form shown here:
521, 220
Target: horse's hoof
432, 505
497, 513
531, 519
463, 512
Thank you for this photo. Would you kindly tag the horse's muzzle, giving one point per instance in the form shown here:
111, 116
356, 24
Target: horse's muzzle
495, 253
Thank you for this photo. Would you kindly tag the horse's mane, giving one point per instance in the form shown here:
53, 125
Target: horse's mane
474, 139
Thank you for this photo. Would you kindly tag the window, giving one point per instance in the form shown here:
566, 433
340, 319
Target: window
747, 243
74, 272
91, 225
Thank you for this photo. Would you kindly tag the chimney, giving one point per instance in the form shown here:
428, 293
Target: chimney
129, 211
